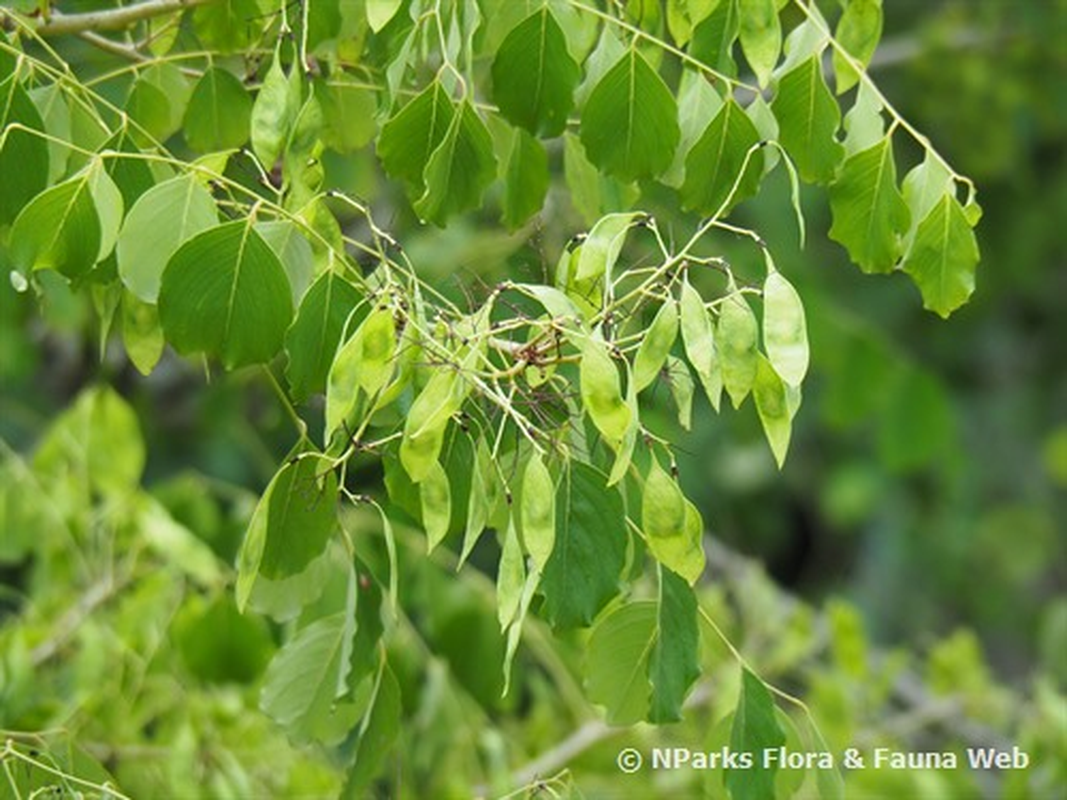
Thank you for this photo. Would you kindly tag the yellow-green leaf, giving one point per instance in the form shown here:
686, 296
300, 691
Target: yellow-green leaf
785, 332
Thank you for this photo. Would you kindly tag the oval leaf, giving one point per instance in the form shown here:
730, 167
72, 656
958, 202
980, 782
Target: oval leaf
785, 332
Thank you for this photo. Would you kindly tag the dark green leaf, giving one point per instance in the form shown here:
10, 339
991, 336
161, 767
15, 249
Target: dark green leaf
229, 25
714, 181
755, 729
525, 180
590, 548
348, 114
411, 135
630, 122
675, 661
943, 257
714, 37
274, 112
312, 340
808, 118
870, 216
219, 112
459, 169
225, 293
534, 75
23, 156
376, 736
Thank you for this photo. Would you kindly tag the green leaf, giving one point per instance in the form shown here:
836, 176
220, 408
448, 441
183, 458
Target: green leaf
582, 574
412, 134
680, 382
870, 216
534, 75
435, 497
738, 336
427, 419
24, 158
655, 345
311, 342
699, 340
286, 238
785, 331
537, 512
755, 730
348, 111
291, 526
362, 367
482, 499
583, 180
148, 106
714, 37
142, 335
808, 118
675, 662
229, 25
616, 662
714, 181
943, 257
274, 112
630, 122
510, 576
107, 199
773, 407
161, 220
602, 246
51, 102
59, 230
698, 103
459, 169
308, 674
864, 121
526, 180
380, 12
761, 36
672, 526
602, 394
379, 731
924, 186
225, 293
219, 112
858, 32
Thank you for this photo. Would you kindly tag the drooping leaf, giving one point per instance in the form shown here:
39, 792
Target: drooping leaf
699, 340
785, 332
534, 75
602, 246
673, 536
361, 368
630, 122
59, 229
924, 186
286, 238
308, 674
162, 219
24, 158
858, 32
714, 181
274, 111
459, 170
943, 257
761, 36
107, 200
864, 122
411, 135
602, 394
582, 574
225, 293
713, 38
348, 111
675, 660
681, 385
808, 118
736, 342
755, 730
655, 345
291, 526
698, 103
377, 734
142, 335
773, 408
311, 342
380, 12
427, 419
616, 662
51, 102
526, 180
870, 216
435, 496
510, 576
537, 512
219, 112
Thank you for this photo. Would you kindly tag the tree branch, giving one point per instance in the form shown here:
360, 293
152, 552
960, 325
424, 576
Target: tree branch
60, 24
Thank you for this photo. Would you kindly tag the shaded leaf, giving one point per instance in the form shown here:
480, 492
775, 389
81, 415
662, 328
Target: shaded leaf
714, 182
59, 229
459, 169
24, 158
311, 342
219, 112
616, 662
755, 730
537, 512
525, 180
411, 135
736, 342
655, 345
675, 661
808, 118
772, 405
699, 340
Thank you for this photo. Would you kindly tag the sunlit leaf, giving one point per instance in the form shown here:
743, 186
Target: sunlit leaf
760, 33
655, 345
616, 662
59, 229
785, 333
943, 257
808, 118
858, 32
23, 156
